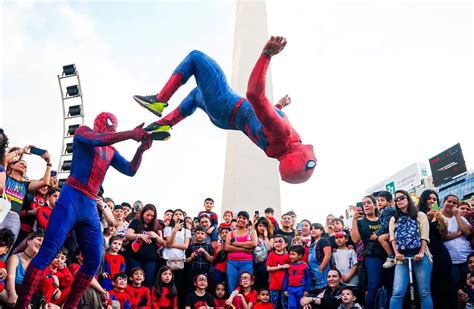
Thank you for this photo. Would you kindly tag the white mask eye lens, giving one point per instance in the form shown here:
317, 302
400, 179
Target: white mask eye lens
109, 122
311, 164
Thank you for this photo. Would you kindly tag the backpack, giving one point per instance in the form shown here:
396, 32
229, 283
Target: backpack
260, 253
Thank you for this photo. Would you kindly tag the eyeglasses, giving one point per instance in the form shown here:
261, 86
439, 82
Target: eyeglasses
202, 279
400, 198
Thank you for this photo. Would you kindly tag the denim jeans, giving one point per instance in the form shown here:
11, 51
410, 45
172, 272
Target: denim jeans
234, 269
374, 269
422, 272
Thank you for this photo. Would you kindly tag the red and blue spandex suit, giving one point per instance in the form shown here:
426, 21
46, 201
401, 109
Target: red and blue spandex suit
266, 125
76, 207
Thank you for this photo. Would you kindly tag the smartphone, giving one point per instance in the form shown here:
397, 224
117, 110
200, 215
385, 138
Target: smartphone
37, 151
54, 173
435, 206
299, 227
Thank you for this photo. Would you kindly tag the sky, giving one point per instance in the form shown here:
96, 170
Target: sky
376, 86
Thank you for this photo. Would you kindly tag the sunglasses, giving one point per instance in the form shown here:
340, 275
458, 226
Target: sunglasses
400, 198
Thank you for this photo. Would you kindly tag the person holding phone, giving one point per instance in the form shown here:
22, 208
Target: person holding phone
443, 296
17, 186
76, 207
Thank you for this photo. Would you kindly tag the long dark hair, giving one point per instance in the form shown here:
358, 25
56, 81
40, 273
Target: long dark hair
172, 223
424, 197
159, 285
267, 223
3, 146
141, 221
411, 208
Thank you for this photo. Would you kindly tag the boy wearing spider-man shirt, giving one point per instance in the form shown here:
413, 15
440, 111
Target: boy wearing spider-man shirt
119, 293
44, 213
114, 263
208, 205
139, 295
297, 278
57, 280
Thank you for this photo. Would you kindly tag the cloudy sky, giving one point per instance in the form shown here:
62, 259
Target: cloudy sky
376, 86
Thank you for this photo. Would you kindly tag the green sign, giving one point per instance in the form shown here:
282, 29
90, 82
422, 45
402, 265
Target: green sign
390, 187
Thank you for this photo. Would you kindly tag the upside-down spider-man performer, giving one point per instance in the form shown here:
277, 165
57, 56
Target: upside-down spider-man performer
266, 125
76, 207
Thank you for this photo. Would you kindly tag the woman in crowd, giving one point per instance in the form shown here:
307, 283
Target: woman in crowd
329, 297
456, 240
120, 222
17, 265
144, 236
441, 273
329, 228
319, 257
17, 186
264, 230
240, 244
306, 231
409, 236
177, 238
364, 226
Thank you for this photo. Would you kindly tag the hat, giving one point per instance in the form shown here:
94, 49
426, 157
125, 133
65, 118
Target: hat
118, 207
228, 212
340, 234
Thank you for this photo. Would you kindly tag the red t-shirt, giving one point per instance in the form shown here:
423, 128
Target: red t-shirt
276, 277
250, 297
139, 297
121, 296
2, 282
163, 301
114, 264
42, 217
220, 303
263, 306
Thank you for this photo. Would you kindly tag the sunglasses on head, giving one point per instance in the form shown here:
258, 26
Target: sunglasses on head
400, 198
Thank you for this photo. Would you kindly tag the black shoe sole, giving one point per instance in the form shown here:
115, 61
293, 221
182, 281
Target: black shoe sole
144, 104
160, 136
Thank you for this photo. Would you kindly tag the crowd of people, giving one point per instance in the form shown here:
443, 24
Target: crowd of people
242, 260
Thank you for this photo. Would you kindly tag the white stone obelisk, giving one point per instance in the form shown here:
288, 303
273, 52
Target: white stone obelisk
251, 179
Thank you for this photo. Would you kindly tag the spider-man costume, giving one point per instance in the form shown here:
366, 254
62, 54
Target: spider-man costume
266, 125
76, 207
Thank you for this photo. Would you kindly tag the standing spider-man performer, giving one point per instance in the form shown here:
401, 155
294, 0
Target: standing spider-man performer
266, 125
76, 207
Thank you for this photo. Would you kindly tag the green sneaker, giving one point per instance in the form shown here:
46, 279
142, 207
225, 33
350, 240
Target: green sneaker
150, 103
160, 136
155, 127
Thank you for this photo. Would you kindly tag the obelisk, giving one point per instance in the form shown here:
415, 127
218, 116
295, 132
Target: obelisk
251, 179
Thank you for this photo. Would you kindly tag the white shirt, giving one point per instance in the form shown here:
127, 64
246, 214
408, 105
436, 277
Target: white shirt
344, 260
459, 248
173, 253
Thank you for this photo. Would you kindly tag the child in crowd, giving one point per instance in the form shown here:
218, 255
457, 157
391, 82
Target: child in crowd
227, 216
139, 295
345, 260
109, 231
348, 299
208, 205
469, 290
6, 241
384, 204
219, 296
199, 254
122, 225
164, 293
119, 292
338, 226
278, 262
168, 216
57, 280
244, 296
220, 256
44, 213
300, 241
297, 282
212, 235
114, 263
233, 224
200, 298
270, 214
263, 300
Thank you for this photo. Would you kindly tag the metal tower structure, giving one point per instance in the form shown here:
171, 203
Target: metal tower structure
251, 179
73, 116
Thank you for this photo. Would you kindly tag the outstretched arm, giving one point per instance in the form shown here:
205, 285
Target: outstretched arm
264, 110
87, 136
130, 168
